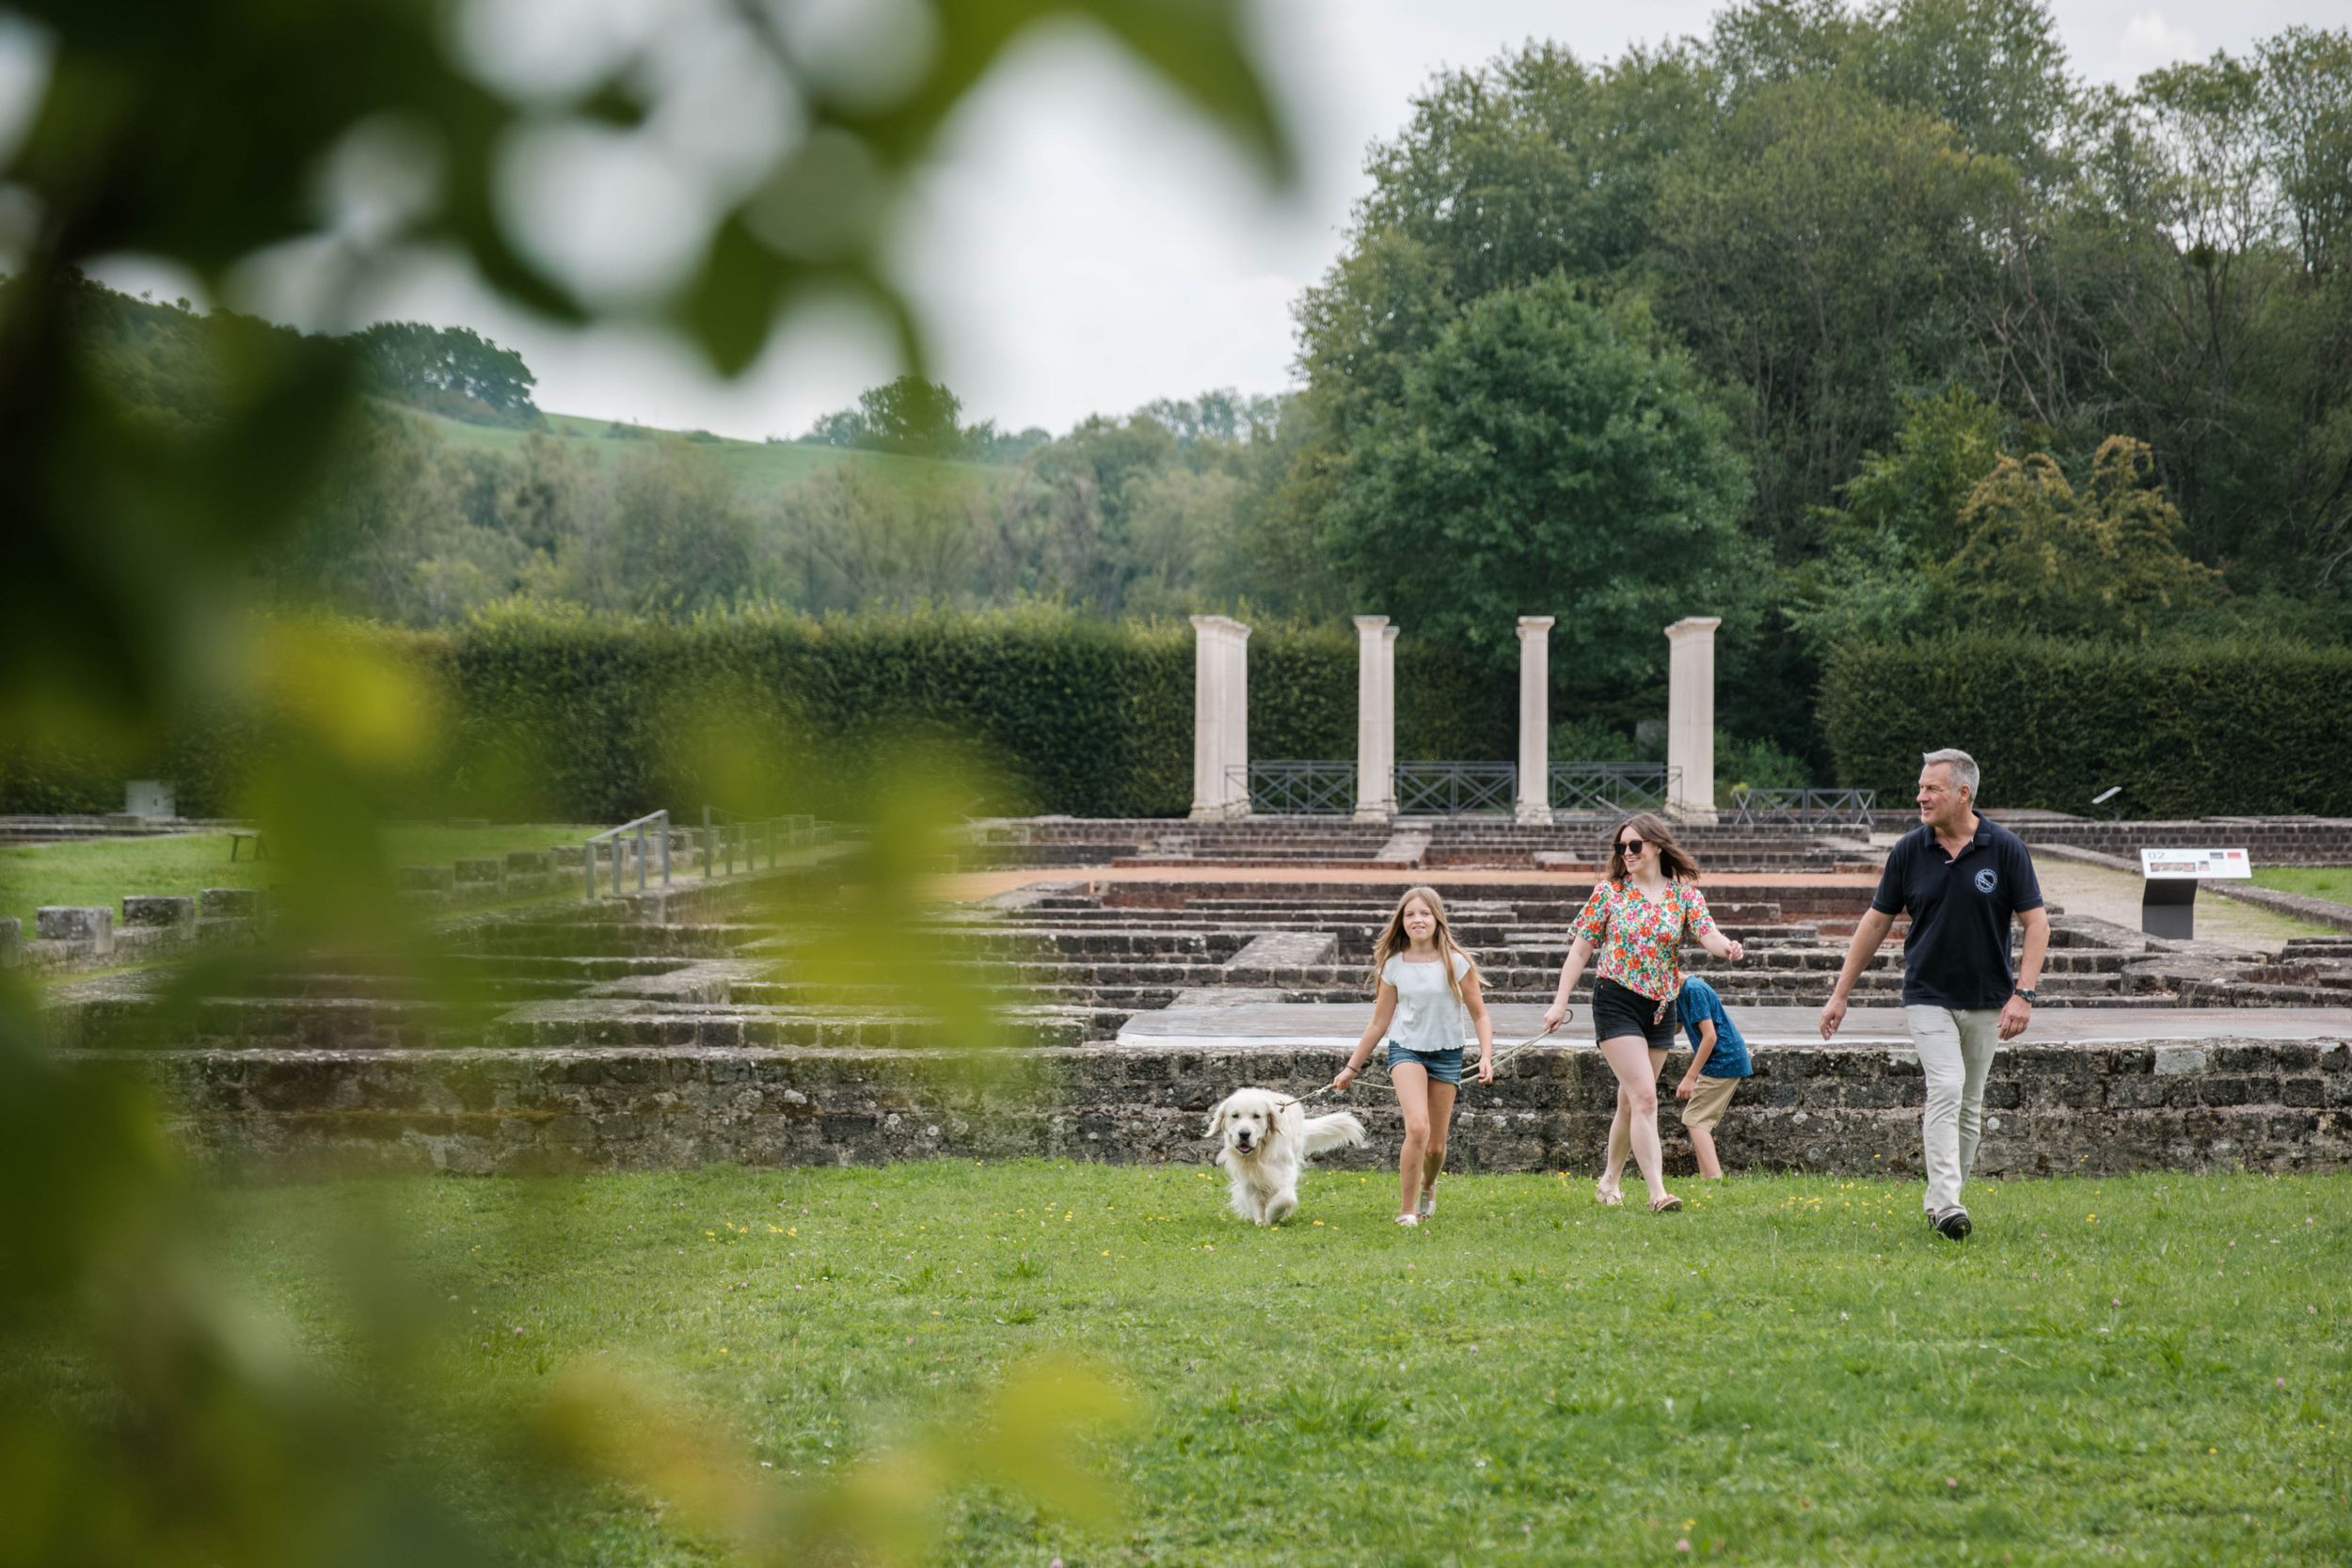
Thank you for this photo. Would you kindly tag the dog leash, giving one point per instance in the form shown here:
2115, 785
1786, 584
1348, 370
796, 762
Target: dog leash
1501, 1056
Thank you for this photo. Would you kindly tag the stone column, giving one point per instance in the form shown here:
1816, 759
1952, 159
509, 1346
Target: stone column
1534, 802
1387, 783
1208, 717
1237, 719
1691, 719
1220, 717
1375, 721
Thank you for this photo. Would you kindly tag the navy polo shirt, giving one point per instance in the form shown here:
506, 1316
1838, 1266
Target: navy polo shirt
1957, 954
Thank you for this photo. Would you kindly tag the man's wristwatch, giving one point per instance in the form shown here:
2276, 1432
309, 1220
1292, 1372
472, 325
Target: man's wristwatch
2025, 995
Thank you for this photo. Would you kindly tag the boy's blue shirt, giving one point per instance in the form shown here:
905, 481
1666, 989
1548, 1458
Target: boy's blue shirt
1729, 1059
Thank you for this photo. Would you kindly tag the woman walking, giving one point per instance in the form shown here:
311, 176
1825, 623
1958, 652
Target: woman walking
1637, 919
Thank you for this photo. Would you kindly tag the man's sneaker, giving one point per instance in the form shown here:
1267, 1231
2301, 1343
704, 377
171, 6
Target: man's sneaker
1951, 1224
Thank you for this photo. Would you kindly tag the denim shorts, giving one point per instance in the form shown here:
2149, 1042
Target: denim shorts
1445, 1066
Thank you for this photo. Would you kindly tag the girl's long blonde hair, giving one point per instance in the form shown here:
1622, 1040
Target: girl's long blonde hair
1393, 939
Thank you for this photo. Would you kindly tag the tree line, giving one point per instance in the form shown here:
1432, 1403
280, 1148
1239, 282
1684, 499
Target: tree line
1847, 324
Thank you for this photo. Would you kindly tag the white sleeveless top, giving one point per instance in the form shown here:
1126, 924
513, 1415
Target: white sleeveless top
1429, 1017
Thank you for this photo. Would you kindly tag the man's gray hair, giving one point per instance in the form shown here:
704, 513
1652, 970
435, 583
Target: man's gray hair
1964, 766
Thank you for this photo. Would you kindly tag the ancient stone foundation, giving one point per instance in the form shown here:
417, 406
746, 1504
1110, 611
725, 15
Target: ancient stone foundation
2222, 1105
716, 1021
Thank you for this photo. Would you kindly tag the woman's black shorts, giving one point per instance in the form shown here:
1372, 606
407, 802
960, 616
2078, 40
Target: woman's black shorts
1619, 1010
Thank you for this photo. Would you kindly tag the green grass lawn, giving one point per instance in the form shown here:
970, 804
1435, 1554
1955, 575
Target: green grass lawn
2152, 1370
2312, 881
100, 871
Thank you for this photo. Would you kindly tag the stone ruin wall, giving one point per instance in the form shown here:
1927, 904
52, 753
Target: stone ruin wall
2098, 1111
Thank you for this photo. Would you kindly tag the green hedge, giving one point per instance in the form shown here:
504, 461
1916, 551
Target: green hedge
2187, 729
560, 716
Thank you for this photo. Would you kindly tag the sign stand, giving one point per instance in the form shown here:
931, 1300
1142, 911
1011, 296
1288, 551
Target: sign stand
2168, 900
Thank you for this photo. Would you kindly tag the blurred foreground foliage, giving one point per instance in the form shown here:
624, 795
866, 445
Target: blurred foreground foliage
146, 1416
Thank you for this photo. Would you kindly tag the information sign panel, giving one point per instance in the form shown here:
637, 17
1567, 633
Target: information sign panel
2168, 899
2195, 865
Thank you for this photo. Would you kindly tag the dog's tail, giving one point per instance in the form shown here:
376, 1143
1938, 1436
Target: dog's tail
1340, 1129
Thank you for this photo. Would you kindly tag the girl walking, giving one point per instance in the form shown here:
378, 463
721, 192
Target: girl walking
1428, 998
1637, 919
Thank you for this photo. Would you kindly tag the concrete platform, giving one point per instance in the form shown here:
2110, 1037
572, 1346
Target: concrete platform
1249, 1023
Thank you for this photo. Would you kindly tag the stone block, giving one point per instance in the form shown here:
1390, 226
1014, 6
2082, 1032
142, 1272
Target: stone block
571, 857
11, 942
148, 908
480, 870
60, 923
2174, 1059
530, 863
424, 878
229, 903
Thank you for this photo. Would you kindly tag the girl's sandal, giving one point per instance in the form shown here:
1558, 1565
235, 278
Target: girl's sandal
1409, 1220
1608, 1197
1667, 1204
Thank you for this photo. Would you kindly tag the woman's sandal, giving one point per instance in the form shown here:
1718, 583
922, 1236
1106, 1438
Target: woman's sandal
1608, 1197
1667, 1204
1409, 1220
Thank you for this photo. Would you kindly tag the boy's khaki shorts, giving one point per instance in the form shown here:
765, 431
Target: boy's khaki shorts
1708, 1101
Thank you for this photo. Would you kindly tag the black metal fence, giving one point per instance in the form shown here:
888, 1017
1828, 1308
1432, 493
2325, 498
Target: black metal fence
1803, 808
1456, 788
1612, 786
1285, 788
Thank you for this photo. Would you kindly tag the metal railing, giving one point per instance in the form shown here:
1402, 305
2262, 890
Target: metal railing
730, 834
1456, 788
1803, 808
1283, 789
659, 821
1613, 786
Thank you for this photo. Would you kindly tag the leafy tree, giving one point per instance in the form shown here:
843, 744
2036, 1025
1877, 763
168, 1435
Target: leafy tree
1179, 524
1914, 491
985, 443
911, 415
1548, 456
678, 538
1994, 70
843, 427
2104, 561
448, 371
1817, 252
854, 541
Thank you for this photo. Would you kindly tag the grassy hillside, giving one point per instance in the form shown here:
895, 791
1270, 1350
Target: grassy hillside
761, 467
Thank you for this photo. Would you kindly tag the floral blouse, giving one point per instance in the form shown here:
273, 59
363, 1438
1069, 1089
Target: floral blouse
1640, 942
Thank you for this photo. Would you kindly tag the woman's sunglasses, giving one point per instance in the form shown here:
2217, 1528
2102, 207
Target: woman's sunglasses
1630, 846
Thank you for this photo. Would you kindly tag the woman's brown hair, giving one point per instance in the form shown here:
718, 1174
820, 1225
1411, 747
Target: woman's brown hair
1392, 938
1673, 859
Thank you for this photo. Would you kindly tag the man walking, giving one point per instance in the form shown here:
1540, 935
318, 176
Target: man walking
1962, 878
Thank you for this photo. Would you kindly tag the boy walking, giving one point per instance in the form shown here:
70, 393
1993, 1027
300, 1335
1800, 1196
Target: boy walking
1718, 1059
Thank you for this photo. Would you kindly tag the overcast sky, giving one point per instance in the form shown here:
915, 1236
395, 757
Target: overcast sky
1085, 247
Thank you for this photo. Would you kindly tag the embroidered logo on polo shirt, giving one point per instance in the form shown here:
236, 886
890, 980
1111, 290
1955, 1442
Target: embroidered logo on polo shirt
1986, 881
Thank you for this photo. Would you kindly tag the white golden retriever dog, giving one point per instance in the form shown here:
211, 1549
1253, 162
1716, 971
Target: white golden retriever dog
1269, 1141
